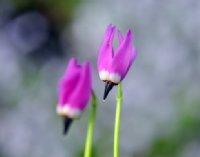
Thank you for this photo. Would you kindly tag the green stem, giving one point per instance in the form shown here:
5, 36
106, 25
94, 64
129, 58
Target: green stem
90, 131
117, 121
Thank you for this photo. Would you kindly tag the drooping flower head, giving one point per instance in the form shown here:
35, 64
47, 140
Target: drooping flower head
75, 89
113, 66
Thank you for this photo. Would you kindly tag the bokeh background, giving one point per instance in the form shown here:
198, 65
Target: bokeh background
161, 109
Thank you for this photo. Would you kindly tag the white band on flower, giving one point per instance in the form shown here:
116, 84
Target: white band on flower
65, 110
106, 76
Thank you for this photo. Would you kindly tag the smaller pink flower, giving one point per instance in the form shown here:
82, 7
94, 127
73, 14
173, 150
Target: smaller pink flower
113, 66
75, 89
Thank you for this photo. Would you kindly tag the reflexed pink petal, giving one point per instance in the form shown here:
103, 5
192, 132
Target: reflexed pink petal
72, 67
82, 91
106, 49
108, 34
133, 56
68, 81
123, 56
66, 88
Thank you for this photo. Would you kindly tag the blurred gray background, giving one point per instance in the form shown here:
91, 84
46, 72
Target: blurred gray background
160, 115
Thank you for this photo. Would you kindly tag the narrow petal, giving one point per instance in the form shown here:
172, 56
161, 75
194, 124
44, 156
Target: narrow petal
106, 49
123, 56
68, 81
66, 87
108, 34
82, 92
133, 56
72, 63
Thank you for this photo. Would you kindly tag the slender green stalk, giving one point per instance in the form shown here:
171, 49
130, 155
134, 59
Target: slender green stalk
117, 121
90, 131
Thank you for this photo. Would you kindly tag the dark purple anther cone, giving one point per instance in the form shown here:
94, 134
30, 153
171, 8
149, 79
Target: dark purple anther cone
108, 87
67, 123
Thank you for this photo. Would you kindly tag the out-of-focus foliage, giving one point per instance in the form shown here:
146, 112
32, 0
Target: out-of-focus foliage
184, 129
59, 11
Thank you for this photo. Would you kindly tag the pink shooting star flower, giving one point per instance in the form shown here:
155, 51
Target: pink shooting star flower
113, 66
75, 89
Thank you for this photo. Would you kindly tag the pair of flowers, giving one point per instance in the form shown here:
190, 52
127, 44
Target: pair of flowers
75, 87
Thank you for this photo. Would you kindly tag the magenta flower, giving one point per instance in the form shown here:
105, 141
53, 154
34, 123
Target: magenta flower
113, 67
75, 89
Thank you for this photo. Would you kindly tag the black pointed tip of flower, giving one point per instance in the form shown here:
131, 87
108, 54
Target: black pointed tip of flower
67, 122
108, 87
